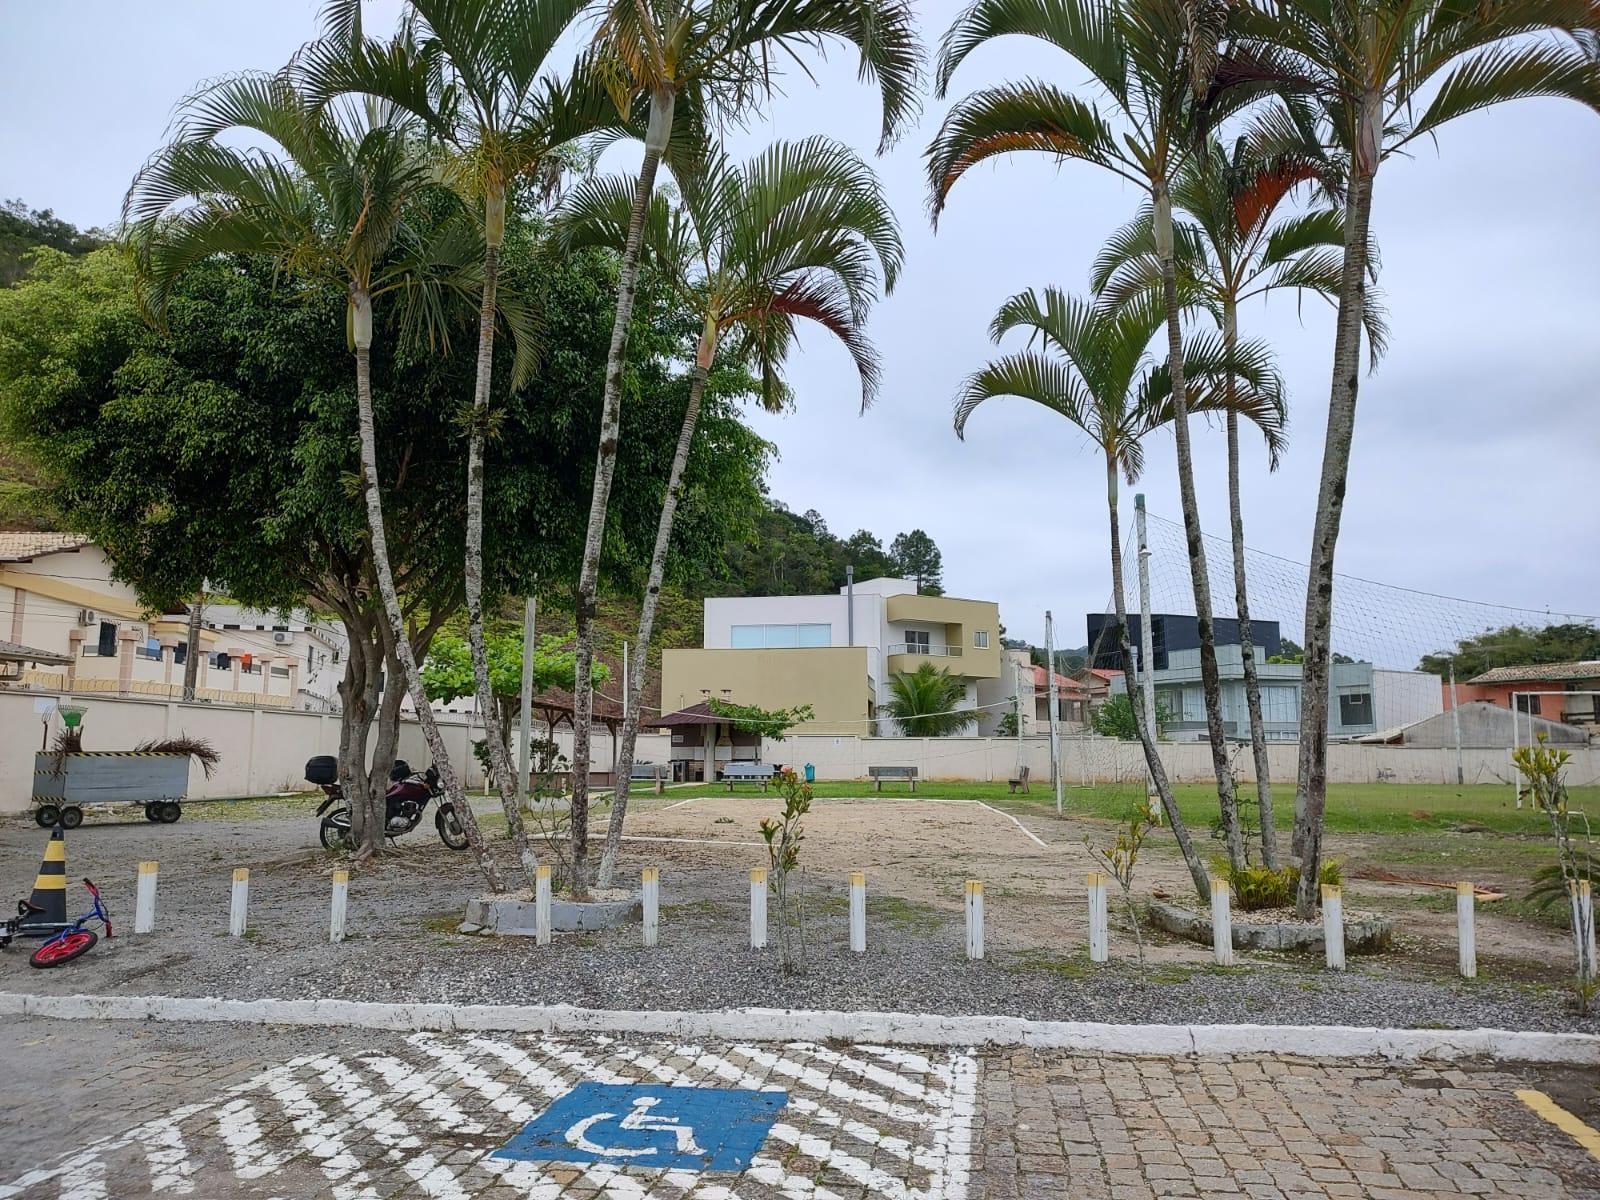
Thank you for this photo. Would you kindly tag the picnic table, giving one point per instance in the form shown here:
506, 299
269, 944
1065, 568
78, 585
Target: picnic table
903, 774
748, 772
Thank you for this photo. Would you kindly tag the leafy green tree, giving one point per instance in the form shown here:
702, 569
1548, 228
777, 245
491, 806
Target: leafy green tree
1168, 71
1366, 80
1119, 717
924, 702
343, 196
801, 233
1090, 367
1515, 645
715, 60
762, 722
23, 231
1232, 246
916, 557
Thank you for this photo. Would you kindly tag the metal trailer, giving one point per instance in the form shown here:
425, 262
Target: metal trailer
63, 783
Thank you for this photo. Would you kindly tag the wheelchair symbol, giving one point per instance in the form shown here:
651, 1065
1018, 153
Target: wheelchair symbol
639, 1119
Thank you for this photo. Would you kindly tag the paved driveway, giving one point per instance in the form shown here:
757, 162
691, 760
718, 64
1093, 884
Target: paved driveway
113, 1111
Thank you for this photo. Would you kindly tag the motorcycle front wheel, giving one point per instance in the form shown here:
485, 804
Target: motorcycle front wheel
449, 827
334, 832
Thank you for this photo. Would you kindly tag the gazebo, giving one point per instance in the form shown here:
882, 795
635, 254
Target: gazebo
718, 737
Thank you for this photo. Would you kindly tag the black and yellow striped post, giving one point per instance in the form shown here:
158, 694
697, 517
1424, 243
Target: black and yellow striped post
49, 899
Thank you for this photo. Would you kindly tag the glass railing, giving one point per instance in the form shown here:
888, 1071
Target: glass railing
923, 648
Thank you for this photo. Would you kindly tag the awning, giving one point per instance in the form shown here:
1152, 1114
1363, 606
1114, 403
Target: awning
11, 652
695, 714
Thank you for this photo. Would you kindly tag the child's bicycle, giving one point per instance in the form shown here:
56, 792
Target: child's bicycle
73, 941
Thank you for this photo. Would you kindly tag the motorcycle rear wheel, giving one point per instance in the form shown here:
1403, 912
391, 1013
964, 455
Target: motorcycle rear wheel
334, 832
449, 827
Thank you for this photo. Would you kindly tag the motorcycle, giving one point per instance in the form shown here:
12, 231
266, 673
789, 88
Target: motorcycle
405, 801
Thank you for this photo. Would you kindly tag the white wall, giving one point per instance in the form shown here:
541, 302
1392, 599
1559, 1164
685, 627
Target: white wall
1405, 697
263, 750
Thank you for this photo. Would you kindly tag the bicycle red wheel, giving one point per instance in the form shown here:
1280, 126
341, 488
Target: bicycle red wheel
64, 949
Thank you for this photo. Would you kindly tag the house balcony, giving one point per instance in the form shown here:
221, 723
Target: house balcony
908, 656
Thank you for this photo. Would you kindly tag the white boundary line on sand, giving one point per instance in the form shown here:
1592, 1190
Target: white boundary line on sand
1031, 836
871, 1028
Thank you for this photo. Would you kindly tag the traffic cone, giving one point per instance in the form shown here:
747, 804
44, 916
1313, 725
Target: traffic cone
50, 888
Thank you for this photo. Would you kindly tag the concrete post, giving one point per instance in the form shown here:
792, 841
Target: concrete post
294, 681
975, 918
75, 649
127, 636
1333, 925
234, 655
1099, 919
19, 603
652, 905
144, 899
1466, 933
341, 900
169, 649
241, 901
541, 904
1221, 924
758, 908
858, 912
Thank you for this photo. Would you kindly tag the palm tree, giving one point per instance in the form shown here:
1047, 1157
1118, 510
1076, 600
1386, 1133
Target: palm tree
924, 702
333, 200
1155, 60
1091, 367
474, 72
1234, 247
715, 60
799, 233
1369, 78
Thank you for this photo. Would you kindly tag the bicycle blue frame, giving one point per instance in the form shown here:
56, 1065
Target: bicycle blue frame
97, 913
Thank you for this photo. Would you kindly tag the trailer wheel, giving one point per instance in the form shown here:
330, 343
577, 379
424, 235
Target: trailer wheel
150, 813
46, 815
71, 817
168, 812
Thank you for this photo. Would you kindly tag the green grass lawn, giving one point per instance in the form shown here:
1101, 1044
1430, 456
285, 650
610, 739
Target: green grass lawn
1352, 807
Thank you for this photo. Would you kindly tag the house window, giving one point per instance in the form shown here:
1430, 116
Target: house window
1280, 705
1528, 704
1355, 708
980, 639
779, 637
150, 649
916, 641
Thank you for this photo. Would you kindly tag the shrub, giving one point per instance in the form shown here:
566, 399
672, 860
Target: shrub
1256, 888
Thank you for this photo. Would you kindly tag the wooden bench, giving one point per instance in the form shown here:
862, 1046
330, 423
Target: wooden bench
1021, 780
748, 772
654, 772
903, 774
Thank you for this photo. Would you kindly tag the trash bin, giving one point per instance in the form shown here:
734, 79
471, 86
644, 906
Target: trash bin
811, 773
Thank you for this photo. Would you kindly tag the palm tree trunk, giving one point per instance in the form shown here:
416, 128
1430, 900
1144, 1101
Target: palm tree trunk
361, 313
1210, 678
660, 130
647, 615
1152, 757
1312, 784
1241, 600
494, 734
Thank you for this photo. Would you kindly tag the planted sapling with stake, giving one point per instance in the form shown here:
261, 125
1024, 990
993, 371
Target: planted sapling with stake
784, 876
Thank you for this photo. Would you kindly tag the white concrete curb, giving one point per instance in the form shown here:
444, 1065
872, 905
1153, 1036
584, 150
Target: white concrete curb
771, 1024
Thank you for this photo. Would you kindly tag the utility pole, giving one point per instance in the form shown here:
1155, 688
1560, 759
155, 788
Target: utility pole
627, 678
1455, 724
525, 716
1016, 678
1055, 728
191, 648
1146, 650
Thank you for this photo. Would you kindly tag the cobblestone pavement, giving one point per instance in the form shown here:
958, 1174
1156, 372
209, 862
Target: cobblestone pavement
116, 1111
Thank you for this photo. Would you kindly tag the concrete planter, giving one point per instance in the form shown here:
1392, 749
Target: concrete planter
1364, 933
515, 915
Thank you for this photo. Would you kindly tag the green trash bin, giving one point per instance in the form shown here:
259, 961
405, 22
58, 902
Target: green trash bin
811, 773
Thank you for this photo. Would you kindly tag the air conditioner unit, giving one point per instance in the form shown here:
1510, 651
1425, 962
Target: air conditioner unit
282, 638
87, 616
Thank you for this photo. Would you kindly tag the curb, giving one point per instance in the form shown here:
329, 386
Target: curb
772, 1024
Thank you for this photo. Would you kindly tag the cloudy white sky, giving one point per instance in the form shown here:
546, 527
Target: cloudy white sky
1478, 441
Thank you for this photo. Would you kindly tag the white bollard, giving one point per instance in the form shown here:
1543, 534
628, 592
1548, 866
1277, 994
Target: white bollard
974, 918
241, 900
1099, 929
1333, 925
858, 912
652, 905
341, 899
144, 899
758, 908
541, 904
1466, 931
1221, 924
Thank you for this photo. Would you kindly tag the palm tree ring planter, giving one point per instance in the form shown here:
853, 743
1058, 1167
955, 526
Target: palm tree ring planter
514, 914
1364, 932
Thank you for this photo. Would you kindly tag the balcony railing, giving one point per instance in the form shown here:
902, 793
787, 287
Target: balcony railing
923, 648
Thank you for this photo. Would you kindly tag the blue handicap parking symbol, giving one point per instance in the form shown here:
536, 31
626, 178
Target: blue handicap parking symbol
650, 1125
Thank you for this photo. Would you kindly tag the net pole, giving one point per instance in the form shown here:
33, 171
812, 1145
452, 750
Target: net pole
1147, 677
1055, 729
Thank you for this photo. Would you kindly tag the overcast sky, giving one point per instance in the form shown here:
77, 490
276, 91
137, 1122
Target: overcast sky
1478, 441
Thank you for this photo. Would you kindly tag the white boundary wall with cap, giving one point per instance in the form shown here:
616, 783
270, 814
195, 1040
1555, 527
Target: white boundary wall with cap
263, 750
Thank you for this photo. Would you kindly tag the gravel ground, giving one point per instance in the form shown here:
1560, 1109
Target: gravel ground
403, 947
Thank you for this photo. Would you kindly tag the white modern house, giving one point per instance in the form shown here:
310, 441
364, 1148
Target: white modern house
836, 652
